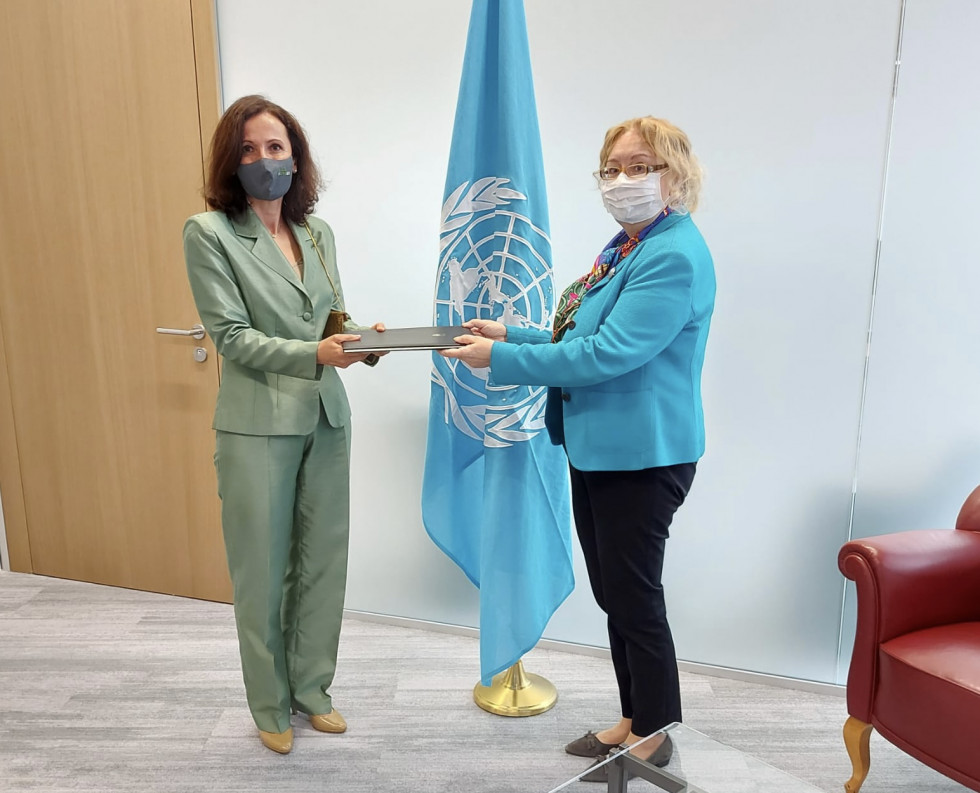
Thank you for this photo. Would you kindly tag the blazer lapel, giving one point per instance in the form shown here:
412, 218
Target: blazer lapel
608, 277
310, 259
316, 279
671, 220
258, 240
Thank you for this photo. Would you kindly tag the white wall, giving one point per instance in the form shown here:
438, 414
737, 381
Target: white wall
920, 449
787, 104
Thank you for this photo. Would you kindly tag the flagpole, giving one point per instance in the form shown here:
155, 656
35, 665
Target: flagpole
515, 692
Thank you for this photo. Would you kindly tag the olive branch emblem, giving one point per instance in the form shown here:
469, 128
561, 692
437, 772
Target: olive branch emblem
521, 415
462, 204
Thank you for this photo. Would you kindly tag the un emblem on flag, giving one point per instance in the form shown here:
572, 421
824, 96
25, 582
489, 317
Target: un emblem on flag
494, 263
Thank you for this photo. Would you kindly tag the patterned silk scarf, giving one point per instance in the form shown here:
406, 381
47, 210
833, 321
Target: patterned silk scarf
619, 248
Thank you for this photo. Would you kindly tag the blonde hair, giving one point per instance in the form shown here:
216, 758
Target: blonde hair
672, 145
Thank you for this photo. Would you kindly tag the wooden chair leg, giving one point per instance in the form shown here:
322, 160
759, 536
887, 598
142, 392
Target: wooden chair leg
857, 738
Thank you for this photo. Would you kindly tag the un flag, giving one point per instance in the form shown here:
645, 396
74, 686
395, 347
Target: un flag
495, 490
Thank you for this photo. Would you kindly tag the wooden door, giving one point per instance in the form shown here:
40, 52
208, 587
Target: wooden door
106, 449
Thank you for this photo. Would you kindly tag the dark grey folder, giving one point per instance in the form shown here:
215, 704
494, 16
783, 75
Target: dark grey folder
406, 339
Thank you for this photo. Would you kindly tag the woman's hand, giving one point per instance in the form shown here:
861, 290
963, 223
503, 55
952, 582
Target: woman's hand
488, 329
330, 351
380, 328
472, 350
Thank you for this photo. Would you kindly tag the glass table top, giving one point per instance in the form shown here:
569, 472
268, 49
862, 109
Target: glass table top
699, 765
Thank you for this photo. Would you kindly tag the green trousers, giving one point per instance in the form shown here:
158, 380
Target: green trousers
285, 514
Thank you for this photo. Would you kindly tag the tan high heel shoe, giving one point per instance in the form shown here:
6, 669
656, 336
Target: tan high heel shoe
281, 742
329, 722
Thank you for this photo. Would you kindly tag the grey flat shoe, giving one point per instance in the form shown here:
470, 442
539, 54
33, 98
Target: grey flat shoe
600, 773
589, 746
662, 755
660, 758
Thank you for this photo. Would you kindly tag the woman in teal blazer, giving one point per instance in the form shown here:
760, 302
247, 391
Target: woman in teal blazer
624, 369
264, 276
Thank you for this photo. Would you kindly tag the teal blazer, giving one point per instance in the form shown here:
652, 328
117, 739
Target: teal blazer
626, 379
266, 323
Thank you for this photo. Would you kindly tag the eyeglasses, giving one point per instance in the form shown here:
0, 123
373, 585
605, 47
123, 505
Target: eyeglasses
635, 171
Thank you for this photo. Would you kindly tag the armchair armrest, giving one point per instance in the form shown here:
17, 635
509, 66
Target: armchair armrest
906, 582
969, 517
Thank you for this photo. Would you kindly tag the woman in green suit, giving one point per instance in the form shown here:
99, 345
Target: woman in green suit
264, 276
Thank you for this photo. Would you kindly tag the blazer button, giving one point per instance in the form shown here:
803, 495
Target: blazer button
307, 316
571, 325
566, 396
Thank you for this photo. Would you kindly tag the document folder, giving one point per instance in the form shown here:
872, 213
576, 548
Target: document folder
437, 338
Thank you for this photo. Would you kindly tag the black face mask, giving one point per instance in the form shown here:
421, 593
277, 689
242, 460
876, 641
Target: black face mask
267, 179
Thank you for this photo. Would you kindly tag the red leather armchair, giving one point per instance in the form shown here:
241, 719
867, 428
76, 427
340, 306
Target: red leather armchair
915, 670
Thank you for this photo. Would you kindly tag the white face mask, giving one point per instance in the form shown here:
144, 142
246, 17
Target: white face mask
633, 200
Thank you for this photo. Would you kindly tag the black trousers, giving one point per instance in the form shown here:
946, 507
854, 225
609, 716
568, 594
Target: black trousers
622, 519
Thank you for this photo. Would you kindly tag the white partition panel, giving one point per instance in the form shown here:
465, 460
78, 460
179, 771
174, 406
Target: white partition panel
787, 104
920, 454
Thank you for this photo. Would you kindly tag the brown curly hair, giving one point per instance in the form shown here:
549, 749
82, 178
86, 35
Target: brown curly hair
222, 188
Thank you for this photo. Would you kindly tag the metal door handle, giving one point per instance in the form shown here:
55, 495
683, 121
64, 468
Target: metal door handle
197, 331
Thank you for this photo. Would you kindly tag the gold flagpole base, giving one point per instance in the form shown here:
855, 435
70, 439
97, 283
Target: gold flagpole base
516, 693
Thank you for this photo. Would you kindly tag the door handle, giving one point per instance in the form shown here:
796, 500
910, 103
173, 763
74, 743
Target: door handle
197, 331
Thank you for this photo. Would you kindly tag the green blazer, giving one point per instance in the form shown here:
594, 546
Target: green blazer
266, 323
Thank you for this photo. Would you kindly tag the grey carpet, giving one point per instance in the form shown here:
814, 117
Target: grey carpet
105, 689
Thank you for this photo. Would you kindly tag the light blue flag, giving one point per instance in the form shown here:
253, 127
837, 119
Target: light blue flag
495, 492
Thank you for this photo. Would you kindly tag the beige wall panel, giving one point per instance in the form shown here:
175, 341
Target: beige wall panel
112, 419
206, 59
11, 488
